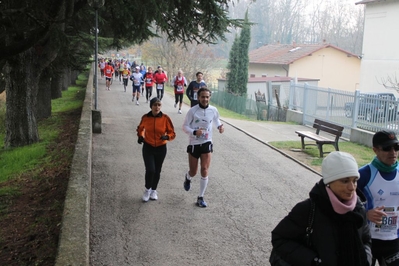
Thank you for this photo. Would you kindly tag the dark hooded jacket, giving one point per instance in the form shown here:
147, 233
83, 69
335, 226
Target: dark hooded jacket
338, 240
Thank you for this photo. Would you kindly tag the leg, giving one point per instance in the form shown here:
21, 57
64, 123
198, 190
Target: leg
159, 159
193, 165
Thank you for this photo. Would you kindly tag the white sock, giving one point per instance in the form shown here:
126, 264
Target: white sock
203, 185
188, 176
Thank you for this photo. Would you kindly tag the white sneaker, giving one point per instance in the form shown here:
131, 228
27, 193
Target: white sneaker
133, 99
179, 111
174, 105
137, 103
146, 195
154, 195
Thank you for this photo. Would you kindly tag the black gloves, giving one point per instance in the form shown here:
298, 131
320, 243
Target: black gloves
164, 137
140, 140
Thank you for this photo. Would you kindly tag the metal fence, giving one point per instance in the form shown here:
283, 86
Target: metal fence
368, 111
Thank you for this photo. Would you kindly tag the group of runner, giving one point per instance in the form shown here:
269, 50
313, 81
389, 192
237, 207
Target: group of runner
144, 79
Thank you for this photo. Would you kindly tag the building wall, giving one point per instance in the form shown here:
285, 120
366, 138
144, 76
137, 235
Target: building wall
269, 70
334, 69
380, 45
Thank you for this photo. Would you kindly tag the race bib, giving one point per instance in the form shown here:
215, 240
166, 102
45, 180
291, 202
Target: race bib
389, 223
149, 81
159, 86
179, 88
204, 135
136, 82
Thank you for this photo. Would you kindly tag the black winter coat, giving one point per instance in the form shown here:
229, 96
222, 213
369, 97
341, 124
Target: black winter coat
288, 236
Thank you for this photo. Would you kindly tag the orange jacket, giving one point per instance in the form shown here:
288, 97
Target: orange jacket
153, 127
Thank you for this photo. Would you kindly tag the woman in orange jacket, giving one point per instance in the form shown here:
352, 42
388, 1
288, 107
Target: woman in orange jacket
154, 131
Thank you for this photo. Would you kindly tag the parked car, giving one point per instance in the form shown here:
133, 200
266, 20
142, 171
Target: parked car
374, 107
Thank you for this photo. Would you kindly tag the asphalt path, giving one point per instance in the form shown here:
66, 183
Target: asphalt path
251, 187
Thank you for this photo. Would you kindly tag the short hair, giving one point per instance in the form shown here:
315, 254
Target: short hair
203, 89
199, 72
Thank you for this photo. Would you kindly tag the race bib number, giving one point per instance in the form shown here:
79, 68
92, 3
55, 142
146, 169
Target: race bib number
136, 82
159, 86
195, 95
179, 88
148, 81
204, 135
390, 222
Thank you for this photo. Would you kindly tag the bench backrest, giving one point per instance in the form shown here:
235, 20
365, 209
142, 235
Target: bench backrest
321, 125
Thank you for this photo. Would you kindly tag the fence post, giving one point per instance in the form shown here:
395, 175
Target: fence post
355, 111
305, 97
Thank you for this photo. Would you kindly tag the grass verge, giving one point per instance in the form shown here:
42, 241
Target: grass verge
33, 184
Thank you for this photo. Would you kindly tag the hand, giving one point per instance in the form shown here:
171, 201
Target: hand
221, 128
140, 140
375, 215
164, 137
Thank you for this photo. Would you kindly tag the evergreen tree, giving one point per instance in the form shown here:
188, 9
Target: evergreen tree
244, 41
233, 67
237, 76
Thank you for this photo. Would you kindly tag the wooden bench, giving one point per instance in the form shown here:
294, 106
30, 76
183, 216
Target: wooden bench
320, 125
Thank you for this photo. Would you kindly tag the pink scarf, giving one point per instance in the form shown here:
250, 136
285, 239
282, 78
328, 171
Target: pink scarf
341, 207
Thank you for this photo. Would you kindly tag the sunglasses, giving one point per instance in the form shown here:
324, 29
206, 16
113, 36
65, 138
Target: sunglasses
389, 148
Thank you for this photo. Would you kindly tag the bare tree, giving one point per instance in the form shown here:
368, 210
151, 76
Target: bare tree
174, 56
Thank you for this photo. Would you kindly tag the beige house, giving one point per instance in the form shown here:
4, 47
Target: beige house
333, 67
380, 58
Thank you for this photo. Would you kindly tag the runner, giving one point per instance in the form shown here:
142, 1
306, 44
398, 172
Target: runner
108, 72
154, 131
179, 82
125, 75
160, 78
198, 125
149, 83
136, 77
193, 87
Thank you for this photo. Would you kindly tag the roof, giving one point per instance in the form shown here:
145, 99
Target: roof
368, 1
275, 79
284, 54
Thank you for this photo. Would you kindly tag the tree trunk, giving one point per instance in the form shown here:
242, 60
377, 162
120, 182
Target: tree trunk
66, 74
21, 79
44, 96
56, 85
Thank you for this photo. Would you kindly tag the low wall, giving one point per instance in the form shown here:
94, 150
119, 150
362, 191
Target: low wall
73, 246
362, 137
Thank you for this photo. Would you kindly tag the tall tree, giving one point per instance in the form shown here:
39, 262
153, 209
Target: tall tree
237, 76
232, 67
244, 41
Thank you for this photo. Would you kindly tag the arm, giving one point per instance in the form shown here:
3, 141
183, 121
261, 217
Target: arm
187, 123
288, 236
189, 91
170, 130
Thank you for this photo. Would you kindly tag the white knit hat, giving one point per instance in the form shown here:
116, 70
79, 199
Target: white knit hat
338, 165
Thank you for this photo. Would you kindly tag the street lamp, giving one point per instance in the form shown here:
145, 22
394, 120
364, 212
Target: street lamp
96, 4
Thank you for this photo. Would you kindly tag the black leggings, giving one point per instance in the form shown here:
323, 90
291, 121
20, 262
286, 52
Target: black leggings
178, 98
153, 160
160, 92
386, 251
148, 92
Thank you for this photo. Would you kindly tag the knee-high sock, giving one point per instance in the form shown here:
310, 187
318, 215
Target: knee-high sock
203, 185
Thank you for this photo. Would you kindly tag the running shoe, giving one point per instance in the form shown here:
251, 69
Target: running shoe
137, 103
179, 111
187, 184
146, 195
154, 195
201, 202
133, 99
174, 105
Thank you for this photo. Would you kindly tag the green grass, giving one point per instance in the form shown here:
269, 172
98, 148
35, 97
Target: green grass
16, 161
363, 154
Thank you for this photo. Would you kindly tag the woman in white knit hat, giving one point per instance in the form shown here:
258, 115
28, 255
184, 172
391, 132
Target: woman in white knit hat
340, 235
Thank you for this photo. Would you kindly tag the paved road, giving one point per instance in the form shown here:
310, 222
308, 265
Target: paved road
251, 188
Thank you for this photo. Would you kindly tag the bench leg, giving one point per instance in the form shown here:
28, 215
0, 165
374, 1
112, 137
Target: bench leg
336, 146
320, 146
303, 142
